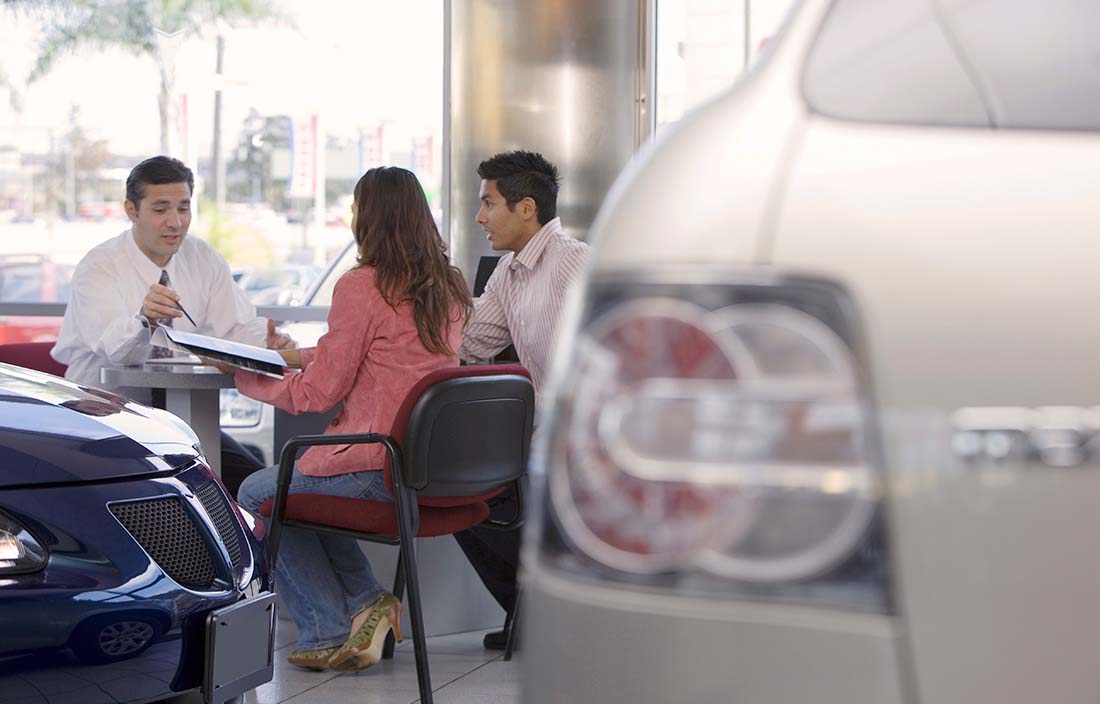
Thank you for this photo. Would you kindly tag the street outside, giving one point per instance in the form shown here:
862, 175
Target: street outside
257, 239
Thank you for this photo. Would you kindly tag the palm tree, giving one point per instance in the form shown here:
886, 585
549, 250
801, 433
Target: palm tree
152, 28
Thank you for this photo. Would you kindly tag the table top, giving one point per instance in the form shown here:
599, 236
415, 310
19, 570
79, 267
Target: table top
166, 376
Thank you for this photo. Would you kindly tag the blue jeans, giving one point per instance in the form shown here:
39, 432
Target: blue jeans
323, 579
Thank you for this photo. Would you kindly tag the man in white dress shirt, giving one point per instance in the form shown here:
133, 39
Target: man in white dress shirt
117, 296
520, 306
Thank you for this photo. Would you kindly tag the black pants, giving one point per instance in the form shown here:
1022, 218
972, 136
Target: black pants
494, 554
237, 463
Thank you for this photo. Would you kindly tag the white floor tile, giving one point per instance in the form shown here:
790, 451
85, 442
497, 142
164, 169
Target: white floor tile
461, 670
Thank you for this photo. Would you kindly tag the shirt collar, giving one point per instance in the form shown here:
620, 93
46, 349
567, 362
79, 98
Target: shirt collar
529, 256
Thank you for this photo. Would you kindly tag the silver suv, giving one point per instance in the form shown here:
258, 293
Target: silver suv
824, 424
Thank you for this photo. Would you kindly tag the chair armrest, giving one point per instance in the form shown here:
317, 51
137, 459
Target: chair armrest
293, 445
296, 444
286, 471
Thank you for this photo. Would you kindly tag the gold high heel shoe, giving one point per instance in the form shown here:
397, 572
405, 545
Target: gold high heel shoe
369, 628
311, 659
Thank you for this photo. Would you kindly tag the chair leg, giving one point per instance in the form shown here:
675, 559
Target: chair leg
416, 614
399, 575
513, 632
399, 592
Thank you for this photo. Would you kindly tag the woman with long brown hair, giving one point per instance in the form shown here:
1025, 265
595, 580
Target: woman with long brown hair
395, 317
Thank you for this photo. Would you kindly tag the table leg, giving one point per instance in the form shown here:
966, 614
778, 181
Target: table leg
199, 409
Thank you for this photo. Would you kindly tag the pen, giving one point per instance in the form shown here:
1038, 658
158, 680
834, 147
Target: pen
180, 306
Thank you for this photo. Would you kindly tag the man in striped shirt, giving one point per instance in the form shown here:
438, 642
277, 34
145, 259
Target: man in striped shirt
524, 296
520, 306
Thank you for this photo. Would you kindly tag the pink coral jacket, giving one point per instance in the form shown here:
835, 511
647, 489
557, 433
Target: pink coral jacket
369, 359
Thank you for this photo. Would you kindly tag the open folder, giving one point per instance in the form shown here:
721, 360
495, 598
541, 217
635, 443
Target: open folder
256, 359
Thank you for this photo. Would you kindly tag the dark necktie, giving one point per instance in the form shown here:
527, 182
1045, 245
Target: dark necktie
161, 352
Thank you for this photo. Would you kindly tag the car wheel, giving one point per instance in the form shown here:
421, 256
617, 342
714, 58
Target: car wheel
107, 639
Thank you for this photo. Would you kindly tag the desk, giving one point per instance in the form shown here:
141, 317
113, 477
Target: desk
191, 392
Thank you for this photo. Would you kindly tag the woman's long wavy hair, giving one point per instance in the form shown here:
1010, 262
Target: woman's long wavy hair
395, 234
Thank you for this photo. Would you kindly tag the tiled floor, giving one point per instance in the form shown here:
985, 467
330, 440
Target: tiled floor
462, 673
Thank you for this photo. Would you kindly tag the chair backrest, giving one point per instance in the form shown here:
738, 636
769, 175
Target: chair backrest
465, 432
485, 267
32, 355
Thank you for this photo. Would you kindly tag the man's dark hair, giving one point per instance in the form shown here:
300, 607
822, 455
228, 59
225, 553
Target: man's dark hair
521, 175
157, 171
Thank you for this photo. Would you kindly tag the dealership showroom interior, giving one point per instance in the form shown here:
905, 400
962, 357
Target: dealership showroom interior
549, 351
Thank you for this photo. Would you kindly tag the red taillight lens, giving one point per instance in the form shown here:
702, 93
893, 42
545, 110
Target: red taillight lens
610, 510
724, 439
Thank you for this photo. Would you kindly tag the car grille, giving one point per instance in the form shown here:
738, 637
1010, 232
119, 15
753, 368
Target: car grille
221, 513
167, 532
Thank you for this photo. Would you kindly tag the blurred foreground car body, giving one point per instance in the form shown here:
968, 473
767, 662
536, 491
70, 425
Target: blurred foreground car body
825, 417
116, 543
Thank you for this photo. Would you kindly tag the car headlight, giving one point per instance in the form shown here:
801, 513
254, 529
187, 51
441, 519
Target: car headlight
238, 411
20, 552
717, 435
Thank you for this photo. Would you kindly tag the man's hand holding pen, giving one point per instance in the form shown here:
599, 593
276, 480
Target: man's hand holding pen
161, 303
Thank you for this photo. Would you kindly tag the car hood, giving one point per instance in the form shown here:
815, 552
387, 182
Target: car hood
55, 432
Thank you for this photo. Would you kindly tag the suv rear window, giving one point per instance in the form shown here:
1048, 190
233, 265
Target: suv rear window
1010, 63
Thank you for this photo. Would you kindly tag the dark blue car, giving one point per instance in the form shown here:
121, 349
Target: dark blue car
117, 542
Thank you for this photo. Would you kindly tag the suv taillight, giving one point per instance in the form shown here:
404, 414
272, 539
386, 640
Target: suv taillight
714, 437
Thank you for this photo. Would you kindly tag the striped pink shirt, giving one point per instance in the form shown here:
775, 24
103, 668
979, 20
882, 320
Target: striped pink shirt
523, 299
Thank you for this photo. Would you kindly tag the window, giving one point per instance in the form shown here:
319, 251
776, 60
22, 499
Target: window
1013, 64
704, 45
700, 52
309, 95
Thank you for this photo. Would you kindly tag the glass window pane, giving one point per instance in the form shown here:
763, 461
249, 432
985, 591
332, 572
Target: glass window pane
704, 45
700, 52
1040, 59
889, 62
309, 95
915, 62
323, 294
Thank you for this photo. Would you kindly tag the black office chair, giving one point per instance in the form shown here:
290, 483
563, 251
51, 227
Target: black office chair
460, 437
485, 268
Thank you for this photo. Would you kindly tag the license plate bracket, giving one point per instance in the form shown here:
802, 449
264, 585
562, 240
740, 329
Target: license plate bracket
240, 648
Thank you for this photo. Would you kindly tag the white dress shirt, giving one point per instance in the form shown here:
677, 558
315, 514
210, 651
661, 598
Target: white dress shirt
103, 325
523, 299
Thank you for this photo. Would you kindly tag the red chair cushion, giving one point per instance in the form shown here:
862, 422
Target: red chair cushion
377, 516
401, 422
32, 355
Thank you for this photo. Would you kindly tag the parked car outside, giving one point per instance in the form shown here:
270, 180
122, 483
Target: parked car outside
251, 422
824, 416
282, 286
116, 543
32, 278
